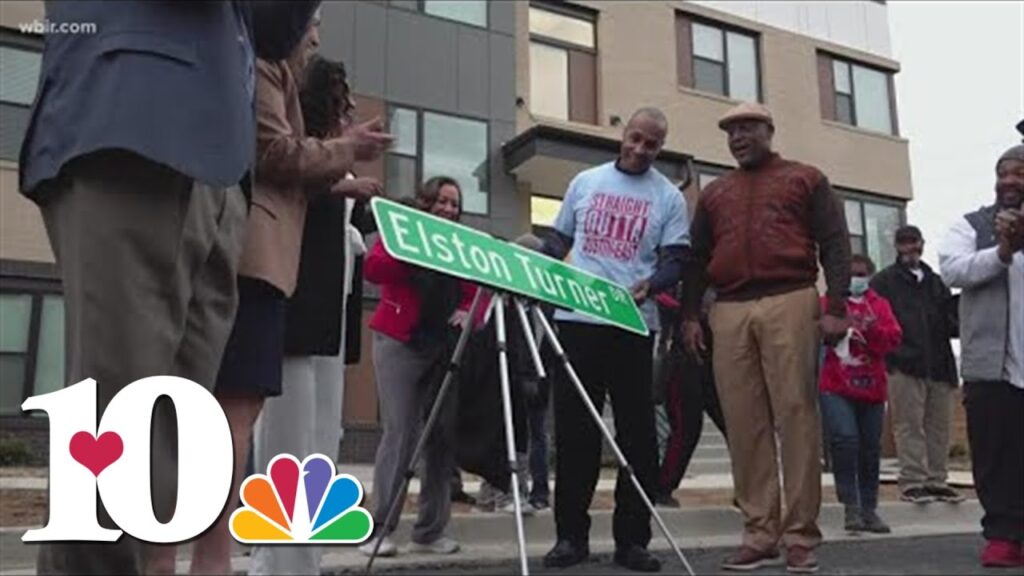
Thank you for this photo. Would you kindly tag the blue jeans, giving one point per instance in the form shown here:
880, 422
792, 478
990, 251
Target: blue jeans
855, 434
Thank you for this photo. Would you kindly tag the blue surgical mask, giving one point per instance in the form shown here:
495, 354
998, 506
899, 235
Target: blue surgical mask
859, 285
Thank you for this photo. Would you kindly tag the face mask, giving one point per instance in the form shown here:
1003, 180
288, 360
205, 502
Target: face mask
858, 285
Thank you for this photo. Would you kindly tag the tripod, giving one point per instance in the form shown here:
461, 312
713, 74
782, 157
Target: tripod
454, 366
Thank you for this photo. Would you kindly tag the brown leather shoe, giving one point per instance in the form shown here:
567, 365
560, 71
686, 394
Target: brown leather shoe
746, 559
800, 560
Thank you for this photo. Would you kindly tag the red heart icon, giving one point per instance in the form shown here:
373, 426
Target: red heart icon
96, 453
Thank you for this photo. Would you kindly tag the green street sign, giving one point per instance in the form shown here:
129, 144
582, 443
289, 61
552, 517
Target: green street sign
419, 238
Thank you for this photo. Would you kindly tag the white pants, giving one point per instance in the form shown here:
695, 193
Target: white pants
305, 419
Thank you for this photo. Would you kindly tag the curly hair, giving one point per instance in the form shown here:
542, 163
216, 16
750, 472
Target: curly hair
324, 95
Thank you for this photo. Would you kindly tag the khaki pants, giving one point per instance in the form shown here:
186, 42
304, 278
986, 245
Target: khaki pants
147, 258
921, 413
765, 361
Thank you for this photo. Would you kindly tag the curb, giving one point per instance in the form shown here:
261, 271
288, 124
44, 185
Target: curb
488, 538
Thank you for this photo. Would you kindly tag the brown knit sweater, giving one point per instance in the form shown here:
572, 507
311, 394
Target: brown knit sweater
759, 233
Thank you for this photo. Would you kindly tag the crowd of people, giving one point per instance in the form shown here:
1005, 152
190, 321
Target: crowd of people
207, 223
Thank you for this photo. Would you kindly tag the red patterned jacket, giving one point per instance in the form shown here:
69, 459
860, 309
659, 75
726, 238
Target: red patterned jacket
877, 333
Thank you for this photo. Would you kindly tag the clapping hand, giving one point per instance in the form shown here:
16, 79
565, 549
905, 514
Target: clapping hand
370, 139
1010, 232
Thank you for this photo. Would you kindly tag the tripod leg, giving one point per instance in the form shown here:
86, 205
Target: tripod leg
395, 506
510, 439
531, 342
623, 463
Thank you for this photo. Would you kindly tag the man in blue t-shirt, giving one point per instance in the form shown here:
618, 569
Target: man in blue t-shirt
626, 222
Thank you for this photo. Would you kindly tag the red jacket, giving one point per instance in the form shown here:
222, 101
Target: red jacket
873, 318
398, 311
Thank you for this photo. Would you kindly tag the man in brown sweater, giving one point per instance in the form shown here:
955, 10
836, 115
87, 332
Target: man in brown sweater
756, 234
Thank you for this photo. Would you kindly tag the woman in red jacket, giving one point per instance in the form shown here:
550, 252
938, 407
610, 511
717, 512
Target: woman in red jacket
853, 393
417, 314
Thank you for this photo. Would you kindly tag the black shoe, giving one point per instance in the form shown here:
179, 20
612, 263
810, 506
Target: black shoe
666, 500
870, 522
917, 496
464, 498
853, 519
637, 559
566, 553
539, 503
945, 494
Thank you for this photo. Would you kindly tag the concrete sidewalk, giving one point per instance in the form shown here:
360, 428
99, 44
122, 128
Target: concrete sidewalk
364, 472
490, 537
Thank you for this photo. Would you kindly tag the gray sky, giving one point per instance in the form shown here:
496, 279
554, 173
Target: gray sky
960, 92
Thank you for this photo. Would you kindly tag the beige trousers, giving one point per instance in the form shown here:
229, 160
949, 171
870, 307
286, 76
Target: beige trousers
921, 410
765, 362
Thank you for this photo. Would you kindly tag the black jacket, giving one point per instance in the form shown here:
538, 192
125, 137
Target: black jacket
927, 313
313, 324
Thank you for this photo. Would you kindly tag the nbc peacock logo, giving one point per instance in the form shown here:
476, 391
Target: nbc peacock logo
301, 503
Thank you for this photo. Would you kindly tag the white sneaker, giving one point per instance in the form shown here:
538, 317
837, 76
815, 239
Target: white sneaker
442, 545
510, 508
388, 548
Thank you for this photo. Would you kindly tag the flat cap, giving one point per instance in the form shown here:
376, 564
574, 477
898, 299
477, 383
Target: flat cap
746, 111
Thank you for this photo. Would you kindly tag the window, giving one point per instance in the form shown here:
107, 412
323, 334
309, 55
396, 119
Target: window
844, 91
429, 144
856, 95
543, 211
873, 228
457, 147
708, 173
717, 59
20, 60
20, 74
704, 179
472, 12
31, 347
563, 63
401, 164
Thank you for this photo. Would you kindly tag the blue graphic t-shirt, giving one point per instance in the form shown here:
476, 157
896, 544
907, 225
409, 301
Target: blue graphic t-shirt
617, 222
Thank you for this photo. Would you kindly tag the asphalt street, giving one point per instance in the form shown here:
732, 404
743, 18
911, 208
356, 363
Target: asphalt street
957, 554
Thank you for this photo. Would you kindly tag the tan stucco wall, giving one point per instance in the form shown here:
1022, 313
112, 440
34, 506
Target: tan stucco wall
22, 234
637, 67
14, 13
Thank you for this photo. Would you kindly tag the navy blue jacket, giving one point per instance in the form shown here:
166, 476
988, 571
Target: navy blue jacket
169, 80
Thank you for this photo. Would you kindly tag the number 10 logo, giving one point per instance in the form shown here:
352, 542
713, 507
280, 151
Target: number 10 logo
113, 459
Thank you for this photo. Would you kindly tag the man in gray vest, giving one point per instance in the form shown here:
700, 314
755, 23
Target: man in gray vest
983, 254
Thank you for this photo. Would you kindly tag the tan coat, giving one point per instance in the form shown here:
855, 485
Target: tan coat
286, 162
